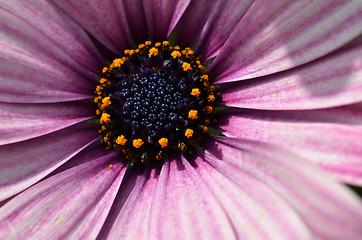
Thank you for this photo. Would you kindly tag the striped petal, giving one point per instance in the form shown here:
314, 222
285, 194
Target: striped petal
76, 205
278, 35
25, 121
45, 56
334, 80
25, 163
328, 209
331, 138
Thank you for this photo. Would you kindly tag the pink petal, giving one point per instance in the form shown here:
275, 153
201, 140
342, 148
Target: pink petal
331, 81
133, 217
328, 209
45, 56
277, 35
331, 138
184, 207
73, 204
25, 163
107, 21
25, 121
209, 25
162, 16
255, 210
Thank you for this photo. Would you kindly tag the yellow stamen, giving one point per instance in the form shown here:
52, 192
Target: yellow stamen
206, 83
182, 146
186, 66
153, 52
105, 69
137, 143
204, 77
195, 92
163, 142
129, 52
141, 46
209, 109
157, 44
106, 101
103, 80
110, 166
105, 118
204, 129
148, 42
189, 132
201, 68
118, 62
98, 112
165, 43
121, 140
211, 98
193, 114
176, 54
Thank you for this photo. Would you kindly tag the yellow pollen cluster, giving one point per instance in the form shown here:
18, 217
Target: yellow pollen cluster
176, 54
195, 92
157, 44
163, 142
137, 143
106, 102
211, 98
186, 66
193, 114
105, 118
121, 140
209, 109
165, 43
204, 78
205, 129
129, 52
189, 132
153, 52
148, 43
105, 69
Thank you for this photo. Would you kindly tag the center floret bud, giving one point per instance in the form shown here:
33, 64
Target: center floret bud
155, 102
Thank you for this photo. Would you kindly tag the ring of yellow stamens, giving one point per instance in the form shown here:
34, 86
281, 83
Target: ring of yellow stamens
137, 143
163, 142
193, 114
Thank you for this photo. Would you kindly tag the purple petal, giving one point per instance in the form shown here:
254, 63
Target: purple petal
25, 121
45, 56
73, 204
327, 208
331, 81
25, 163
255, 210
331, 138
277, 35
133, 216
110, 22
210, 24
162, 16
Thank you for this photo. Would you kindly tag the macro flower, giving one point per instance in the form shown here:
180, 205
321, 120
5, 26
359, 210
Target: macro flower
256, 119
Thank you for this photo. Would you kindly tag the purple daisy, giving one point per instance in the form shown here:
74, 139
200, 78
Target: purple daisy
291, 74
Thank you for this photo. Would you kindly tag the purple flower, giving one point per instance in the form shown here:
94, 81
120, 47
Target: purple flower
292, 77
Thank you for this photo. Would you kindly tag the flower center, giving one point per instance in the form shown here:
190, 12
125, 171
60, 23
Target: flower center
155, 102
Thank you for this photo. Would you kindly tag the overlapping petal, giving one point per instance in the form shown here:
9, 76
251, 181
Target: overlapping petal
331, 138
21, 122
210, 24
276, 35
334, 80
25, 163
76, 204
328, 209
45, 56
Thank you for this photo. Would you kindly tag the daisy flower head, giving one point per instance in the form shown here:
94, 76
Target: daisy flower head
185, 119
